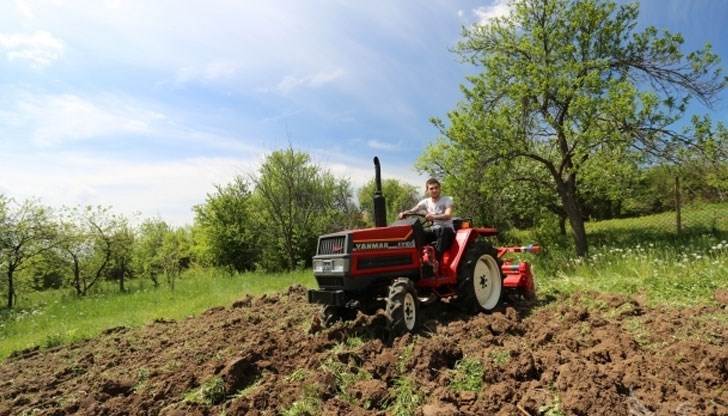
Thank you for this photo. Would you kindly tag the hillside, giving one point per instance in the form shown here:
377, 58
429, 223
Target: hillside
587, 354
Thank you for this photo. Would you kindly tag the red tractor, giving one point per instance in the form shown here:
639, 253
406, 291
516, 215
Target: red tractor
390, 267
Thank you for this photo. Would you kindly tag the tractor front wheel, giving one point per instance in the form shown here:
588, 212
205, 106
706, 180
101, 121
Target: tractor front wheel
403, 307
480, 280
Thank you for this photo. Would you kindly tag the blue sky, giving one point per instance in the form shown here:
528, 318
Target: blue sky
146, 105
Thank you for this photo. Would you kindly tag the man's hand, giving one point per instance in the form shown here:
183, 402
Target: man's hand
401, 215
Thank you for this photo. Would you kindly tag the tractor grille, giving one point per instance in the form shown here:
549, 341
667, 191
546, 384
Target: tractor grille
330, 281
332, 245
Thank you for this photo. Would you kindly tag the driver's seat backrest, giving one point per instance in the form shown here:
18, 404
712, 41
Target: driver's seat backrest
459, 222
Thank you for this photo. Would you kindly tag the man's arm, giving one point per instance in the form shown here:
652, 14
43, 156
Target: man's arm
412, 210
442, 217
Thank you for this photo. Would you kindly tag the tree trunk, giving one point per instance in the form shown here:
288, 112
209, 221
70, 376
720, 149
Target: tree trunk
11, 288
77, 276
577, 227
121, 276
567, 191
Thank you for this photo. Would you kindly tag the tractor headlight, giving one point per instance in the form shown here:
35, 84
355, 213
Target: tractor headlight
335, 265
340, 265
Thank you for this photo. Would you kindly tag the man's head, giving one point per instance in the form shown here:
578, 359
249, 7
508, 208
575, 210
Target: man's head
433, 188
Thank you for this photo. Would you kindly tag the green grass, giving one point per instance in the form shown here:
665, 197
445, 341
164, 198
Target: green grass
467, 375
56, 317
680, 276
644, 256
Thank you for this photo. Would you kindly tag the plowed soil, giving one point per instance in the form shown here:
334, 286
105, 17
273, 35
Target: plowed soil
586, 354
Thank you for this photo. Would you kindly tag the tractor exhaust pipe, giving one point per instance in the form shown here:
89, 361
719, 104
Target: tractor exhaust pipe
380, 209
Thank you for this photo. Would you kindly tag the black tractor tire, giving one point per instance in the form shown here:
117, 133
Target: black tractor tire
480, 280
329, 315
403, 307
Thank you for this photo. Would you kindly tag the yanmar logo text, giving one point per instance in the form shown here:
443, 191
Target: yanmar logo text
383, 245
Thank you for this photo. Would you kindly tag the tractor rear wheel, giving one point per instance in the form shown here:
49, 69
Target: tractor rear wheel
480, 281
332, 314
403, 307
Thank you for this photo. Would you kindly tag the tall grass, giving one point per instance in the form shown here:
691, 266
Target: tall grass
663, 275
641, 256
56, 317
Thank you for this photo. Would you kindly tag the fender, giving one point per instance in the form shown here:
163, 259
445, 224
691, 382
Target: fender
451, 258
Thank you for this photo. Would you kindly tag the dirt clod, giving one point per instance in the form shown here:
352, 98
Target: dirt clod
267, 355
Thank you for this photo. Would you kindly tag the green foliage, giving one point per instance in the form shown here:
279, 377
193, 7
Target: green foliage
305, 406
298, 201
229, 227
404, 396
345, 375
120, 266
557, 119
147, 258
210, 392
88, 243
467, 375
26, 231
398, 197
403, 361
553, 408
501, 357
309, 401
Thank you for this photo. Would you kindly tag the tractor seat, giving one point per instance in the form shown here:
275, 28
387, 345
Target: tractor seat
459, 223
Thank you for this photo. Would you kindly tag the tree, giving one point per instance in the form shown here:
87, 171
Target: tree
344, 212
147, 260
121, 262
567, 82
228, 227
174, 254
398, 197
297, 200
26, 231
88, 244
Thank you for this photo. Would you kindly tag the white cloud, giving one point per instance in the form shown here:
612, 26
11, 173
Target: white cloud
55, 119
51, 121
319, 79
499, 8
24, 8
377, 144
360, 170
166, 189
210, 72
39, 48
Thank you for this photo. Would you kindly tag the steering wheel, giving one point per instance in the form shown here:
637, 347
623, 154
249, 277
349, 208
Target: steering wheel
421, 217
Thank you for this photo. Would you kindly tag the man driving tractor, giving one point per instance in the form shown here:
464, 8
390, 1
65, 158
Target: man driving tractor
438, 209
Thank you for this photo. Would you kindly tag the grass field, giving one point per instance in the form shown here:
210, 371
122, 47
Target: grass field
58, 317
641, 256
